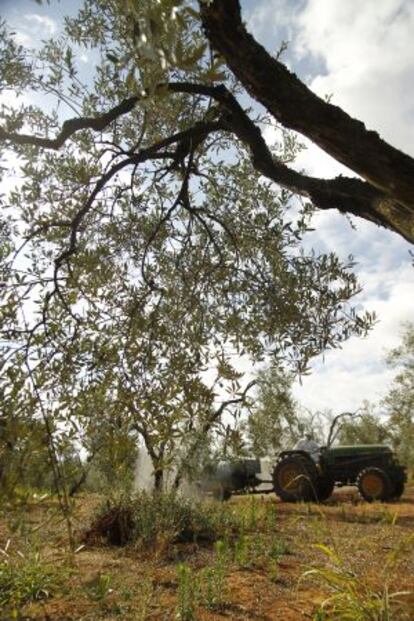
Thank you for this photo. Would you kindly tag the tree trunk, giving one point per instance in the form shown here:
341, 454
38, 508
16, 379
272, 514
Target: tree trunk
158, 478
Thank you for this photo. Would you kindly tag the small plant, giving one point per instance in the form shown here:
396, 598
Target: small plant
274, 570
100, 587
253, 513
24, 578
278, 547
389, 517
241, 551
188, 594
214, 578
146, 593
270, 516
352, 598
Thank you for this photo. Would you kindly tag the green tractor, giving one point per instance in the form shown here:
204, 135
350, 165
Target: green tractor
373, 468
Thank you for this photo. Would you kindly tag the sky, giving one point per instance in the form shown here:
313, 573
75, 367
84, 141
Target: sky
361, 54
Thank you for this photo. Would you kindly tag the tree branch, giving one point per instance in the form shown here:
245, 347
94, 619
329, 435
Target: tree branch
347, 194
386, 169
71, 126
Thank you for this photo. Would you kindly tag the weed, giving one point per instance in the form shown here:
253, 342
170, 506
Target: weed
352, 598
278, 547
253, 513
214, 578
389, 517
146, 594
24, 578
270, 516
150, 518
274, 570
188, 593
241, 551
100, 587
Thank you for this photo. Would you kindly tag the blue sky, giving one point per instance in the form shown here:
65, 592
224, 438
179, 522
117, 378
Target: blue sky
361, 53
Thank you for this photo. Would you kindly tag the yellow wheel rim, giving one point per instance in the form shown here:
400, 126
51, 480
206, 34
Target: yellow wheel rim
372, 485
290, 478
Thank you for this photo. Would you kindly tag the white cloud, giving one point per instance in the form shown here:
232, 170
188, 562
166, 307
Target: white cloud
32, 29
318, 163
356, 372
366, 49
46, 24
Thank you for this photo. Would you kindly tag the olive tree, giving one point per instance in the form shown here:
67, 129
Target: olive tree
148, 249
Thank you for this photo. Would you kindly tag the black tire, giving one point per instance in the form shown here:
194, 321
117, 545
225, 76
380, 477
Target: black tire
295, 479
221, 493
398, 489
324, 488
374, 484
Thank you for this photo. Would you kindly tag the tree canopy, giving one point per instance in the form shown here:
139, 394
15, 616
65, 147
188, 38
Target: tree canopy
150, 238
160, 38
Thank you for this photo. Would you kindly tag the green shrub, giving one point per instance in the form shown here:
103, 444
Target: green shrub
148, 517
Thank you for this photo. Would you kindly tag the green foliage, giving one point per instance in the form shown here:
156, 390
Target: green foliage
399, 402
24, 578
273, 421
366, 428
113, 452
188, 593
352, 597
241, 550
213, 577
145, 519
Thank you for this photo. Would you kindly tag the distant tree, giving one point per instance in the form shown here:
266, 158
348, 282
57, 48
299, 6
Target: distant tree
399, 402
273, 421
112, 453
366, 427
25, 457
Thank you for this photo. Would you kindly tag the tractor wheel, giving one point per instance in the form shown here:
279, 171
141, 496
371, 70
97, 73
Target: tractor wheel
324, 488
374, 484
294, 479
398, 489
221, 493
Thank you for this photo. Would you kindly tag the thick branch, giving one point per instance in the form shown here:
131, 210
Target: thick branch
297, 107
348, 195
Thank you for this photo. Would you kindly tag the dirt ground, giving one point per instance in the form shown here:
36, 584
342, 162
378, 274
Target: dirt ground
372, 542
